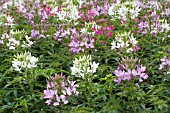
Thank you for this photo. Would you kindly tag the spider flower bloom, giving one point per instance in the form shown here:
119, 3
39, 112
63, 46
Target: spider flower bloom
34, 33
125, 42
83, 66
129, 70
23, 61
59, 89
99, 32
165, 62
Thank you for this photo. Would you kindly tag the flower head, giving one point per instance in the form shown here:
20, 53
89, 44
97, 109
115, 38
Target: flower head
125, 42
59, 89
83, 66
129, 70
165, 65
23, 61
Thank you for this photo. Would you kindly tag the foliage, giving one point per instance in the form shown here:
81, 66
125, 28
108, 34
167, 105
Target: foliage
84, 56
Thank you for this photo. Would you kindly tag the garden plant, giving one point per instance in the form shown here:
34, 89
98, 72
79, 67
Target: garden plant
84, 56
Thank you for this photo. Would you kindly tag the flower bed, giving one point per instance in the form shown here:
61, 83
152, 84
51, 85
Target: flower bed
84, 56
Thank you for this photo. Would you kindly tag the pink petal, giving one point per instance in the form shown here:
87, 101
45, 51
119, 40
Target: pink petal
134, 72
145, 77
66, 101
56, 103
142, 75
143, 69
140, 80
48, 102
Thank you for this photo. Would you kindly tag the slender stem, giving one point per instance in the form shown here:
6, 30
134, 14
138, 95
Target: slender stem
22, 87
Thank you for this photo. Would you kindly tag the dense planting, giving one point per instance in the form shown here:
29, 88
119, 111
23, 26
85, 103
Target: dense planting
84, 56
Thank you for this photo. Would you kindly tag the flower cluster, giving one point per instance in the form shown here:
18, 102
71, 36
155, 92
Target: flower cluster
153, 24
14, 39
10, 21
122, 10
27, 42
151, 5
10, 42
125, 42
83, 66
29, 12
79, 45
88, 26
59, 89
35, 12
6, 20
68, 13
164, 25
23, 61
10, 3
107, 29
129, 70
61, 33
165, 62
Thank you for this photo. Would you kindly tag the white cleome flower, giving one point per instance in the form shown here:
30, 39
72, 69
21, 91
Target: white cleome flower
28, 42
124, 10
23, 61
9, 20
68, 13
12, 42
113, 45
84, 30
94, 66
83, 66
165, 26
124, 41
129, 50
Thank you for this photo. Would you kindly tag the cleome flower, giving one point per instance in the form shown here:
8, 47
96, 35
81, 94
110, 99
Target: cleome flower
129, 70
59, 89
24, 61
80, 45
165, 65
125, 42
9, 41
68, 13
124, 10
16, 39
83, 66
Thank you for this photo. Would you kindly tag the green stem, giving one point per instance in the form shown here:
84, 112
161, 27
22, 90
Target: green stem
22, 87
110, 90
87, 97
